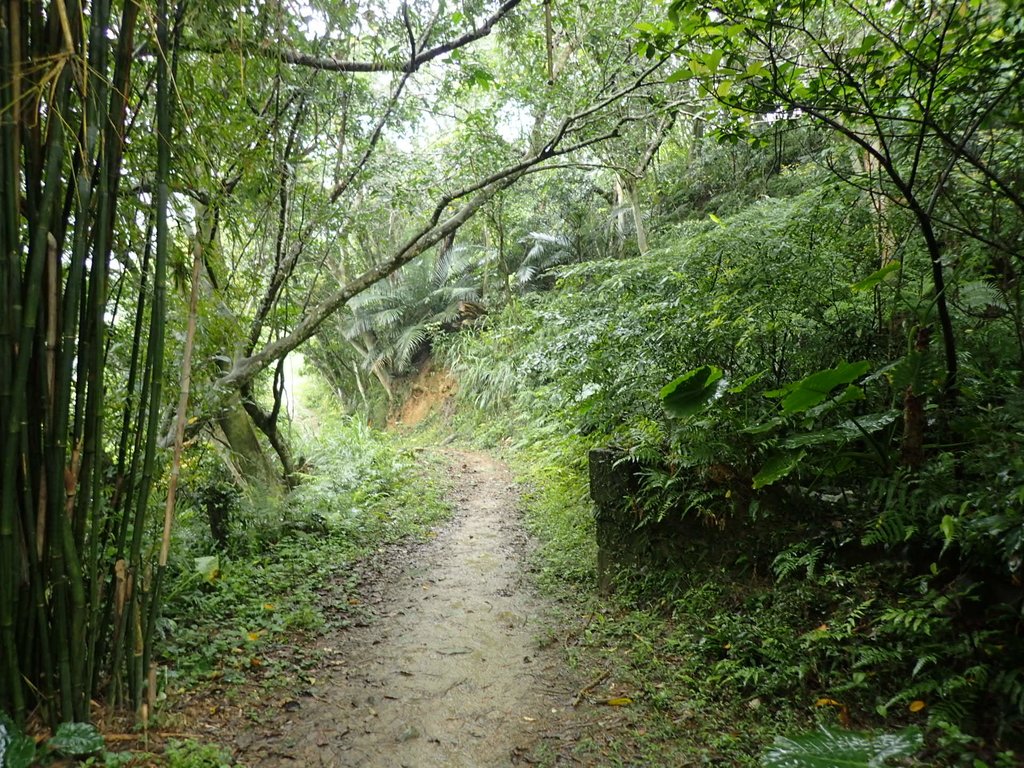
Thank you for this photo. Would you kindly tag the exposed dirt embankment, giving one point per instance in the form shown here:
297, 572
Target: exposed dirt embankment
429, 391
450, 668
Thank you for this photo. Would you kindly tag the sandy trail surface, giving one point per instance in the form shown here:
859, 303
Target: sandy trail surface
450, 667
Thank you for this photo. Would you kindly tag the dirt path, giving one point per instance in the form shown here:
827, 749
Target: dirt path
450, 670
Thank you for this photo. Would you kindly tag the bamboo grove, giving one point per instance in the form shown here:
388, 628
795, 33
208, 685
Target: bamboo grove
85, 239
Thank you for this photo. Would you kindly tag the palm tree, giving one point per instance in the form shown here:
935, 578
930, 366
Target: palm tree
544, 251
394, 321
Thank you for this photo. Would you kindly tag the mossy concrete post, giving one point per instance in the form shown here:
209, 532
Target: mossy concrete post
611, 487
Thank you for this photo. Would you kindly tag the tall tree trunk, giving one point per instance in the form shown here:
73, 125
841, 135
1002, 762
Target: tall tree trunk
246, 453
620, 216
629, 188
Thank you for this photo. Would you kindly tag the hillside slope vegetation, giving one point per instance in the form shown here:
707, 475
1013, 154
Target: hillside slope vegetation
854, 545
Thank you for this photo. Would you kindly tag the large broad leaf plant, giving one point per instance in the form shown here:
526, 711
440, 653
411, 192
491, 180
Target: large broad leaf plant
830, 748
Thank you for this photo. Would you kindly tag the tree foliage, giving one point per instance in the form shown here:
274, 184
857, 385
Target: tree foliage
297, 156
768, 250
928, 97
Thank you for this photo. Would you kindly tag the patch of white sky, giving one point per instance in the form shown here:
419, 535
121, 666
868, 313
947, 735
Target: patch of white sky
315, 24
769, 117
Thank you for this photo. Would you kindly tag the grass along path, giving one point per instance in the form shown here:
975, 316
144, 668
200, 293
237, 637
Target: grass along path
450, 667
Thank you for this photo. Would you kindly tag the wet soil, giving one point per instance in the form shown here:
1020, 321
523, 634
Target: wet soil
451, 666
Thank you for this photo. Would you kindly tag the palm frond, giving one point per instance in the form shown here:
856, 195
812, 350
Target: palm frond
357, 326
448, 314
526, 273
378, 296
375, 359
465, 258
442, 267
548, 239
465, 293
407, 344
547, 251
385, 319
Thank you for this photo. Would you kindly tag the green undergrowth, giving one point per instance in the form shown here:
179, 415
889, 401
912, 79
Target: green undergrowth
806, 577
557, 505
641, 642
238, 616
718, 658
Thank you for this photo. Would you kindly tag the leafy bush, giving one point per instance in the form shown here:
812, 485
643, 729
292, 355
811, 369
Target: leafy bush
799, 377
74, 740
222, 618
764, 297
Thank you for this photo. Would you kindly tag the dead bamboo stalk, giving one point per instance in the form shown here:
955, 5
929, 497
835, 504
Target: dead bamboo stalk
181, 418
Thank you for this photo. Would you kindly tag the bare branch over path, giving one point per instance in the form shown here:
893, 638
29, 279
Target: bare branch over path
408, 65
436, 228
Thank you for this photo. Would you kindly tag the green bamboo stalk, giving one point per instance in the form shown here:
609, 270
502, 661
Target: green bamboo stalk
157, 325
61, 632
127, 470
57, 448
76, 631
69, 533
88, 511
132, 421
96, 129
28, 502
34, 510
38, 618
68, 498
10, 676
29, 312
109, 184
179, 441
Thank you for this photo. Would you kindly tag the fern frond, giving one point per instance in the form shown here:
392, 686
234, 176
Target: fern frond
1009, 683
889, 530
923, 661
797, 557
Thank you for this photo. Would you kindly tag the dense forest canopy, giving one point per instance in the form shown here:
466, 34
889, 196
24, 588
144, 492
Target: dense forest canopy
800, 222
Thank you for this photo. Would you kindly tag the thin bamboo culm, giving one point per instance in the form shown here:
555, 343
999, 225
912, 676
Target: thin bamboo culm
76, 465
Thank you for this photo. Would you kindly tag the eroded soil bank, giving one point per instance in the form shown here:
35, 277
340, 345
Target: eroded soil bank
450, 667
